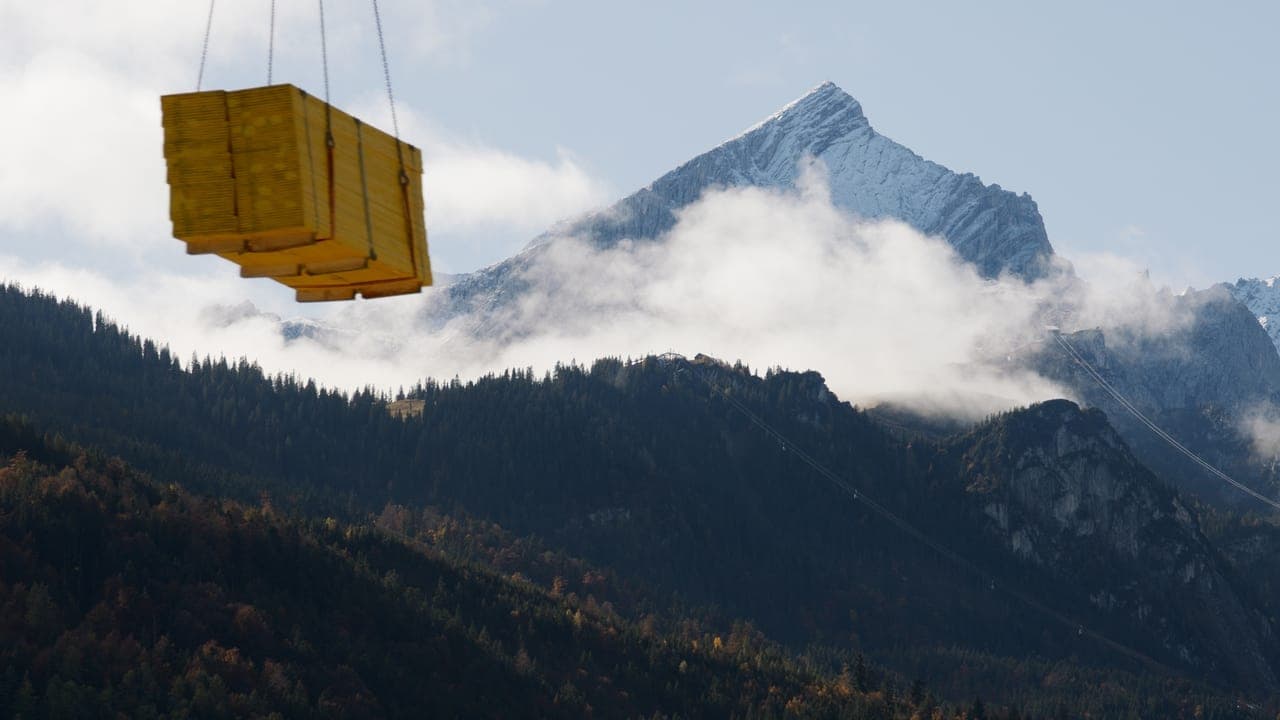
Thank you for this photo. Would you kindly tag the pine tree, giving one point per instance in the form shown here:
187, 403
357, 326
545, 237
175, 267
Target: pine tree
861, 675
916, 694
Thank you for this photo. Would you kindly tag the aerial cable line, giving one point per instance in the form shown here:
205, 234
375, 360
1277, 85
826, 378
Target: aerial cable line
1159, 432
842, 485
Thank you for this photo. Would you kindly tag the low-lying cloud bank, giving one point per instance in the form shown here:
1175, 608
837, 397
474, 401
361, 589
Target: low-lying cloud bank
770, 277
784, 278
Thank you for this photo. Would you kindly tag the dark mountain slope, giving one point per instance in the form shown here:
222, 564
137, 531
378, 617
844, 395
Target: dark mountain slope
642, 469
1065, 492
222, 428
124, 598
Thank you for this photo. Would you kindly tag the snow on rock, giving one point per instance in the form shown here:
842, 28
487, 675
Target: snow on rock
869, 175
1262, 297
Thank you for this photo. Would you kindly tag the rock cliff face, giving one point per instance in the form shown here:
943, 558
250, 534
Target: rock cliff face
1198, 380
869, 175
1215, 353
1061, 490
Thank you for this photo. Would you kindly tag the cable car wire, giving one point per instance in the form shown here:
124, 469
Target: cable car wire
958, 560
1159, 432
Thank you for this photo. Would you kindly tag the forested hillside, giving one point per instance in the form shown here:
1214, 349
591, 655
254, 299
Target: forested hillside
121, 597
641, 492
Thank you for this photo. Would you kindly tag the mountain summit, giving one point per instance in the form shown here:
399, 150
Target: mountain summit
869, 174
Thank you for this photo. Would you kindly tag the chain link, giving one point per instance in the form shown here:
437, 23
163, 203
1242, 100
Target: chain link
271, 42
386, 70
324, 54
204, 49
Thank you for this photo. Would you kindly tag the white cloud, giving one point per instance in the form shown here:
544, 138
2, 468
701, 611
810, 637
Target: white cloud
1119, 295
84, 156
83, 174
475, 187
1261, 425
199, 315
770, 277
785, 278
81, 133
484, 203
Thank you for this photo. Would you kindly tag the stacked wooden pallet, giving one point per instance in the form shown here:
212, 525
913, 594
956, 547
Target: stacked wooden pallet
292, 189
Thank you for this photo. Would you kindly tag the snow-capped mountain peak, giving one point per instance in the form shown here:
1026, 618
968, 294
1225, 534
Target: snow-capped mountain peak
826, 101
868, 174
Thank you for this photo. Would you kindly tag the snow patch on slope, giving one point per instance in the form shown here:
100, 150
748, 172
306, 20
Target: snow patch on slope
868, 174
1262, 297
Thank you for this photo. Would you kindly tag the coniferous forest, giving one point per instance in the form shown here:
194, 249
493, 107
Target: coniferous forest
193, 538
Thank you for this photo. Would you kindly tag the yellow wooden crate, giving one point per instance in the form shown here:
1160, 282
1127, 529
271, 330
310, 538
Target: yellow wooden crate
253, 179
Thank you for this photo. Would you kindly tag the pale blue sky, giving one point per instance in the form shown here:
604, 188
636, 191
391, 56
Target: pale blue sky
1146, 129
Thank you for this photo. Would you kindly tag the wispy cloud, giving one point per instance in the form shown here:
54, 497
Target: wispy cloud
1261, 425
476, 187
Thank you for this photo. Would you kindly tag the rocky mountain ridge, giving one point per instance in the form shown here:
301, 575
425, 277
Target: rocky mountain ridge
1061, 488
1262, 297
869, 175
1198, 379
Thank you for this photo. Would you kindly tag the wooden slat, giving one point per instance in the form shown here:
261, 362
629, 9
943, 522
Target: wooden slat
190, 166
406, 287
269, 271
335, 266
325, 294
235, 246
203, 208
194, 119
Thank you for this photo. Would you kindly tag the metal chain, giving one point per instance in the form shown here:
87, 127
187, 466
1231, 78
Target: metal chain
324, 54
204, 49
271, 42
329, 143
395, 127
386, 70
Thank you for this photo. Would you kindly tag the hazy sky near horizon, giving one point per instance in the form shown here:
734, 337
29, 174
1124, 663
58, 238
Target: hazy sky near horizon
1142, 129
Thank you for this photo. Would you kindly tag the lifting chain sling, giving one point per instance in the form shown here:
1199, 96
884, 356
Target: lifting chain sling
328, 132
